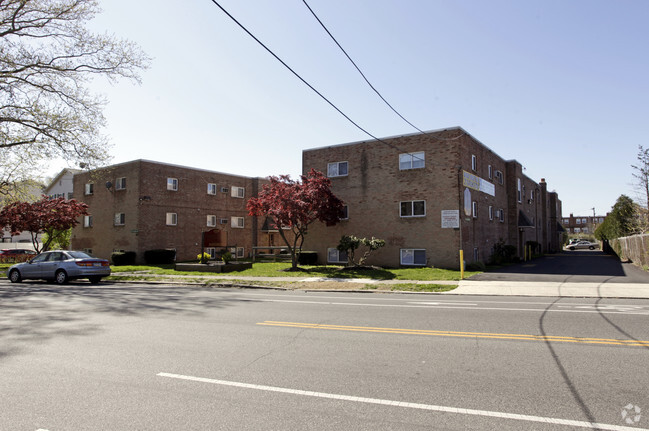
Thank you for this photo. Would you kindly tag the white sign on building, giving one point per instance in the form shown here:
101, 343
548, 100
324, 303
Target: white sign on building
450, 219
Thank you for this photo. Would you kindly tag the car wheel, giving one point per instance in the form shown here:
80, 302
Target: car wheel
14, 276
95, 279
571, 248
591, 248
61, 277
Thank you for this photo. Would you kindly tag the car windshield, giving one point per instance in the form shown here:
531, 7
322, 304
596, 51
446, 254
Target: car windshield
79, 254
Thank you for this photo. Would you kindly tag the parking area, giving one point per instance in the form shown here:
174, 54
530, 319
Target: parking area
588, 266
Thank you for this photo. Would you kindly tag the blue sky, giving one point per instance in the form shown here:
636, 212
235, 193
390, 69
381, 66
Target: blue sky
560, 86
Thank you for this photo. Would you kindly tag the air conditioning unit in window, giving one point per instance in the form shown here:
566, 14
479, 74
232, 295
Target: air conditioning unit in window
223, 221
224, 190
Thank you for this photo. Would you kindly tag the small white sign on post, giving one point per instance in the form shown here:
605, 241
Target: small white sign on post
450, 219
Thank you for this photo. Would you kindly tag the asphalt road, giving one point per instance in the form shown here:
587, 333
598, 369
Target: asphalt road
128, 357
570, 266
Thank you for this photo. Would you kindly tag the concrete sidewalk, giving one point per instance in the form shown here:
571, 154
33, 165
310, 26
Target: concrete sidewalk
554, 289
465, 287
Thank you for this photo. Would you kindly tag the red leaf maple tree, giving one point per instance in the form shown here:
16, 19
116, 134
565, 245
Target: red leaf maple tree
48, 215
295, 205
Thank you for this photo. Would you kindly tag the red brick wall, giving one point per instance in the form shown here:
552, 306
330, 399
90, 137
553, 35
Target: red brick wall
146, 201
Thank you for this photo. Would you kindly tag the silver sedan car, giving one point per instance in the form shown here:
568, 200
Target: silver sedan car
582, 245
61, 266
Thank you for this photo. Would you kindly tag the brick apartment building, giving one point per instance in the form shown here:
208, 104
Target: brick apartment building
430, 194
144, 205
581, 225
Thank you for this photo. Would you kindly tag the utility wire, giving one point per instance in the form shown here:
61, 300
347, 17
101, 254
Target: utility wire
313, 88
357, 68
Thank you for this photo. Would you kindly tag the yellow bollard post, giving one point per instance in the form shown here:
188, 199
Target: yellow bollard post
461, 264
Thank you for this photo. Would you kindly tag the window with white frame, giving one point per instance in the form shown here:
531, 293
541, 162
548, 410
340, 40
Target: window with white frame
474, 209
345, 215
120, 183
491, 212
119, 219
237, 222
501, 215
474, 163
211, 251
337, 169
584, 221
519, 190
241, 252
412, 208
577, 230
585, 230
578, 221
237, 192
412, 161
500, 177
172, 184
211, 188
89, 189
490, 172
336, 256
413, 256
87, 221
211, 220
172, 219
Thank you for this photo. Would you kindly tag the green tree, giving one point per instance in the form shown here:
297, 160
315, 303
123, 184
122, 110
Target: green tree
622, 221
47, 58
350, 243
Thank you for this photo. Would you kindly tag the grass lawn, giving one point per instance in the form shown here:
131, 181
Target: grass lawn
279, 269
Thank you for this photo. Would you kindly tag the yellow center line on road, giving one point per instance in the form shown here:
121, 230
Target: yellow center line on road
562, 339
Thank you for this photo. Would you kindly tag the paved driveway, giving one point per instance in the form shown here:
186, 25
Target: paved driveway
570, 266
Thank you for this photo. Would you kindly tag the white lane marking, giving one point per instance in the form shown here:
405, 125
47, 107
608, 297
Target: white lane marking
453, 307
440, 300
445, 409
441, 303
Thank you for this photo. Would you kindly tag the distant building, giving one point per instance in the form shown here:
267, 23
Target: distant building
430, 195
581, 225
144, 205
62, 185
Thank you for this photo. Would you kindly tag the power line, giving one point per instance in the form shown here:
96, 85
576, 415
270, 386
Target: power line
313, 88
357, 68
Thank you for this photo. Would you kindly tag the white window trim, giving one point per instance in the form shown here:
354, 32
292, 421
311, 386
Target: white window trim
172, 184
171, 219
409, 159
519, 190
490, 172
89, 189
234, 222
474, 163
337, 173
211, 188
120, 183
412, 207
87, 221
474, 209
491, 212
211, 220
119, 219
211, 251
411, 251
237, 192
345, 217
501, 215
334, 251
241, 252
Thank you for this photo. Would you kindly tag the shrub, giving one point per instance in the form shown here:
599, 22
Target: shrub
123, 258
476, 266
226, 257
307, 258
159, 256
503, 253
203, 258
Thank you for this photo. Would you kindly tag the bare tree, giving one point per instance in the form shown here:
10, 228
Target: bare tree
641, 174
47, 58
